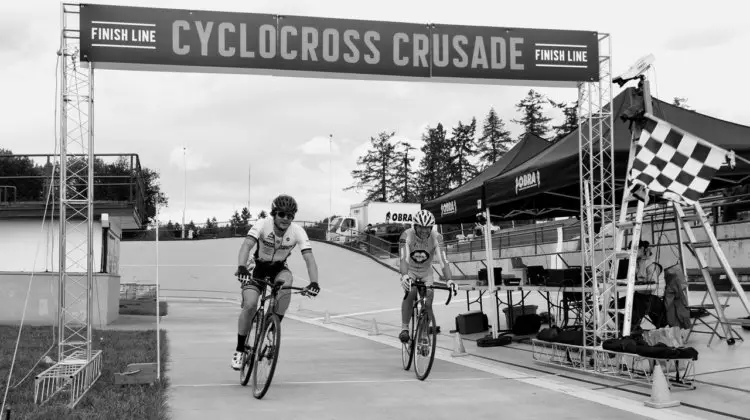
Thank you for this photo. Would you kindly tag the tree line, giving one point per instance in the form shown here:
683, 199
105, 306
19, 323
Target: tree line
238, 224
388, 172
113, 181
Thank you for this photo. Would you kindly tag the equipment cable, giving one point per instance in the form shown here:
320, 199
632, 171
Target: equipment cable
31, 280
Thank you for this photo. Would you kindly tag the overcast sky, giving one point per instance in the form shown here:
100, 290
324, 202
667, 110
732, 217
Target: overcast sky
277, 128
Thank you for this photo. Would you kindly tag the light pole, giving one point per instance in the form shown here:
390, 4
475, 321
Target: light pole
184, 205
330, 180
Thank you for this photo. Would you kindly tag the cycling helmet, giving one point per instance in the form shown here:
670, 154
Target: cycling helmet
285, 203
424, 218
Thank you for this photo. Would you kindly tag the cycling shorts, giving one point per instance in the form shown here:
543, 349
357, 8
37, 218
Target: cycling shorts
262, 271
427, 279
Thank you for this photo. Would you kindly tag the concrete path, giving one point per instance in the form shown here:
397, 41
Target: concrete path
327, 374
337, 370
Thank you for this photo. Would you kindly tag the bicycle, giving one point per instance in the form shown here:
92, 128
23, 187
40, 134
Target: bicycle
427, 341
265, 324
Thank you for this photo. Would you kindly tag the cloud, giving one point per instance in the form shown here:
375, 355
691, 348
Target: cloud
319, 146
278, 127
706, 37
191, 160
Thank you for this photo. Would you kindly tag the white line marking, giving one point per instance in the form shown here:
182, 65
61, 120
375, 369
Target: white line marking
560, 45
178, 265
382, 310
143, 47
572, 66
343, 382
359, 313
620, 403
104, 22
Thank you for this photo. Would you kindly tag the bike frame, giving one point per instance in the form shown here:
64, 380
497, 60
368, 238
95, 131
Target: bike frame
266, 315
420, 317
419, 302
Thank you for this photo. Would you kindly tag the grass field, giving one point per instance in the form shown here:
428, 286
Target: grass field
105, 400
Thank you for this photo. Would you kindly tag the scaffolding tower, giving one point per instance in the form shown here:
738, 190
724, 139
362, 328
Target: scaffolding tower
78, 365
597, 196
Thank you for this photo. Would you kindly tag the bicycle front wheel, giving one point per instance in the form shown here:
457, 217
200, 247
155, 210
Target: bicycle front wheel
424, 347
266, 356
250, 343
407, 349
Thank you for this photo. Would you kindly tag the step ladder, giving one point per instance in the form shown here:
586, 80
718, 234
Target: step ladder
684, 223
627, 226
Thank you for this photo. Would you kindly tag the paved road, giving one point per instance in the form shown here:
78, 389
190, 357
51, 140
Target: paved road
324, 374
336, 370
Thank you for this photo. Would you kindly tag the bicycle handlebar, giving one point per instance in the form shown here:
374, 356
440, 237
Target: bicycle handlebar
434, 286
277, 286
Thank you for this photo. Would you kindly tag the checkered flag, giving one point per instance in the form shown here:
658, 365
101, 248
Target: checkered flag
673, 163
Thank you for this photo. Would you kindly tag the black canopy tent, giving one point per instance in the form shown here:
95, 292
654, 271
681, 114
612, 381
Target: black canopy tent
460, 204
548, 185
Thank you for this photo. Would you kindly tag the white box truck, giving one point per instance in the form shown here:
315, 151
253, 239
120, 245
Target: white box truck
345, 228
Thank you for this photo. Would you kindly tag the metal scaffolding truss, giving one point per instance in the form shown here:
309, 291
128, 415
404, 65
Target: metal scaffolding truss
78, 365
596, 151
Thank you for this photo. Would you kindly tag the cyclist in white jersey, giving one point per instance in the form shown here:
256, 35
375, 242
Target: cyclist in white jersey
275, 237
419, 246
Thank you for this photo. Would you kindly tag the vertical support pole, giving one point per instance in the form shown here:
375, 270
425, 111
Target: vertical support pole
680, 244
90, 212
158, 302
61, 235
490, 273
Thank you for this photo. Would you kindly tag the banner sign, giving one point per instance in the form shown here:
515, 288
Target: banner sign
142, 38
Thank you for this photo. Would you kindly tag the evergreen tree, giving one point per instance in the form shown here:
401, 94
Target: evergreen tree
245, 217
495, 140
570, 118
433, 178
236, 220
404, 178
376, 168
533, 119
463, 147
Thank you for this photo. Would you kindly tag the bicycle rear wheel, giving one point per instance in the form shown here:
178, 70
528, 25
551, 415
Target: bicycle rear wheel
424, 348
266, 356
407, 349
250, 342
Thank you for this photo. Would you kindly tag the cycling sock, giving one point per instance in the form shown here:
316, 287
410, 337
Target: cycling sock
404, 327
241, 342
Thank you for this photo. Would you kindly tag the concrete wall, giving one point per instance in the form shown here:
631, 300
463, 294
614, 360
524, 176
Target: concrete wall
27, 245
42, 302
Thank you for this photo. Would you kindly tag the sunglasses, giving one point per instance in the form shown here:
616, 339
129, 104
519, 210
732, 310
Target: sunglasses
285, 215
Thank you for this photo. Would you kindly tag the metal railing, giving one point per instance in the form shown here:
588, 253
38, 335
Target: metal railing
137, 291
5, 193
368, 243
117, 178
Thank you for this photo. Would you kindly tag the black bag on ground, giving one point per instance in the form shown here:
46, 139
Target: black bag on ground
549, 334
573, 338
527, 324
488, 341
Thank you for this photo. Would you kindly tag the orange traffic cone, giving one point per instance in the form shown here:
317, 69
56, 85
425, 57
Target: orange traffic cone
661, 397
458, 346
374, 329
